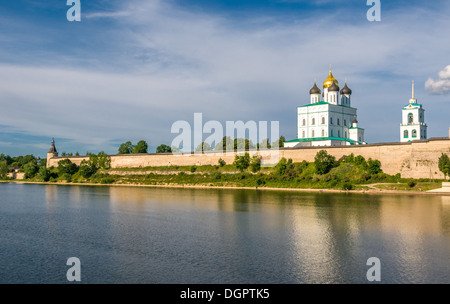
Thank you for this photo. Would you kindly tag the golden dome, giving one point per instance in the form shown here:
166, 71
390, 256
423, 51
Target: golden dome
329, 81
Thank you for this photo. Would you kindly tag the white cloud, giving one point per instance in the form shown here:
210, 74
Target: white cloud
178, 62
441, 85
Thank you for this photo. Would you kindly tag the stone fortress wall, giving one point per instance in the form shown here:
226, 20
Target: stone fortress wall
417, 159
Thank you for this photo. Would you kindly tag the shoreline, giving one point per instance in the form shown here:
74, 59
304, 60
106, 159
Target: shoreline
370, 191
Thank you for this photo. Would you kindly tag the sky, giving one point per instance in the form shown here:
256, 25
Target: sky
130, 69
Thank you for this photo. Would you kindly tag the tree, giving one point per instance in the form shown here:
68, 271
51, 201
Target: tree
242, 162
444, 165
140, 147
374, 166
265, 144
126, 148
163, 149
324, 162
44, 174
103, 160
4, 169
31, 169
222, 162
243, 144
279, 142
203, 147
255, 164
226, 144
65, 166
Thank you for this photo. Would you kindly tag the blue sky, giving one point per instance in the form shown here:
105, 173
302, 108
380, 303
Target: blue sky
130, 69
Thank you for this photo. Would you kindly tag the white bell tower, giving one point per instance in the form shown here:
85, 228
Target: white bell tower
413, 125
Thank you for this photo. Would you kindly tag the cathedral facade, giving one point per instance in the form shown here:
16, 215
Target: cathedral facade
329, 119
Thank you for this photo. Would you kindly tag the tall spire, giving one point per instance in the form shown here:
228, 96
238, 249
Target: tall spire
413, 89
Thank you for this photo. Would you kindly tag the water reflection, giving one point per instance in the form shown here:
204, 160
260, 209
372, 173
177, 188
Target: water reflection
254, 236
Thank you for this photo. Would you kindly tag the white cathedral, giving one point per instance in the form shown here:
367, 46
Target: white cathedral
329, 119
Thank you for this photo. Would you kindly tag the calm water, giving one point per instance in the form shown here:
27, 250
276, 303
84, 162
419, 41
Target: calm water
151, 235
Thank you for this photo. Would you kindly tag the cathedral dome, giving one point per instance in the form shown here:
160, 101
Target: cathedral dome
333, 88
346, 90
330, 80
315, 90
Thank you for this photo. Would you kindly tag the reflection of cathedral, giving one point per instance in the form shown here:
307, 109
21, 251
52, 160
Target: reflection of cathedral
329, 119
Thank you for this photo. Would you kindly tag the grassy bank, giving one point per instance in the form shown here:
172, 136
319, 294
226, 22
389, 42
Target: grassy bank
349, 173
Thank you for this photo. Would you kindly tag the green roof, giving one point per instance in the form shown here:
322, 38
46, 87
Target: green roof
412, 104
315, 104
322, 139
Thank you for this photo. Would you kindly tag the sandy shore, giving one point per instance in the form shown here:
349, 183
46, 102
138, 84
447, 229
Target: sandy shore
371, 191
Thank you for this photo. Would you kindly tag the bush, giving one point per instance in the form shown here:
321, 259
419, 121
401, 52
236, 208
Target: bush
65, 166
107, 180
347, 186
222, 163
242, 162
411, 183
324, 162
255, 164
44, 174
374, 166
193, 169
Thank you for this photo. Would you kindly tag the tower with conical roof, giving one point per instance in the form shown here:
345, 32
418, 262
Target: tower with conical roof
329, 118
413, 126
52, 152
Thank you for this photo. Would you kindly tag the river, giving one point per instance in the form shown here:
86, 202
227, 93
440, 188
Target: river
165, 235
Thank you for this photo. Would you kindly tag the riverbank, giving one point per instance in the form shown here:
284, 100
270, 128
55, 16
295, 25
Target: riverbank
372, 190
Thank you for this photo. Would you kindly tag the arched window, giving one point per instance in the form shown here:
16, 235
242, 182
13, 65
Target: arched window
323, 133
339, 133
303, 134
304, 122
414, 133
323, 120
345, 134
405, 134
339, 122
345, 122
313, 121
331, 133
313, 135
410, 118
331, 120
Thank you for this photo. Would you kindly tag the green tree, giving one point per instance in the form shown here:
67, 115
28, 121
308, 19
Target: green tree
281, 166
30, 169
9, 160
44, 174
279, 142
103, 161
242, 162
444, 165
222, 162
66, 167
203, 147
4, 169
265, 144
126, 148
140, 147
324, 162
163, 149
374, 166
255, 163
226, 144
243, 144
89, 167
